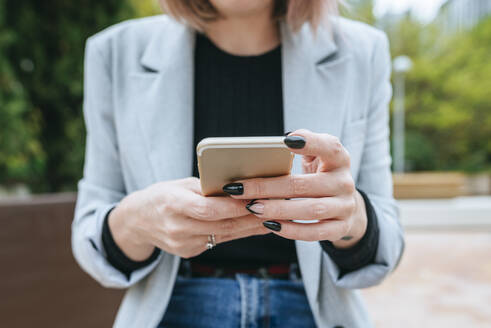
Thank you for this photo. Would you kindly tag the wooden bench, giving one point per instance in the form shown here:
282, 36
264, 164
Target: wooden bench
429, 185
41, 284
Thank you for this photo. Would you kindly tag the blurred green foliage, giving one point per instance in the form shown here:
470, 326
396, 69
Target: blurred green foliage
360, 10
144, 8
41, 65
448, 96
21, 154
448, 90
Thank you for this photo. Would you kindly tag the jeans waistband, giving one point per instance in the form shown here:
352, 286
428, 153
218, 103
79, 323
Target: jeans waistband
287, 271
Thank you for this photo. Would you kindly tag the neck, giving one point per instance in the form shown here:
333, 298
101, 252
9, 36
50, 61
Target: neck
245, 35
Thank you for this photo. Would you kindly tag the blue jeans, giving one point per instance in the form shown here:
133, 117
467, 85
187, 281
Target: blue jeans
245, 302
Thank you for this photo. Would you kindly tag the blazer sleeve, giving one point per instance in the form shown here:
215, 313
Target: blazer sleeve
375, 179
102, 185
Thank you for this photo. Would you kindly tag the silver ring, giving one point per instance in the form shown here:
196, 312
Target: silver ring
211, 241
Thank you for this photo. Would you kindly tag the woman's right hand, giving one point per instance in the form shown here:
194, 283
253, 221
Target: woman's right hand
175, 217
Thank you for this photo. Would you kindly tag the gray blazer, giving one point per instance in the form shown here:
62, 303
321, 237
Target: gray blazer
139, 95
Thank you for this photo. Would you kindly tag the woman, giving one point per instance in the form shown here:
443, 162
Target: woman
154, 87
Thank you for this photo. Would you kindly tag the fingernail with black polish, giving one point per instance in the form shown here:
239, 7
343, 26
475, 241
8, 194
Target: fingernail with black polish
248, 206
287, 133
272, 225
295, 142
235, 188
255, 208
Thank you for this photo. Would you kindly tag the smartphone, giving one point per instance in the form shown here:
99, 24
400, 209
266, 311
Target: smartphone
224, 160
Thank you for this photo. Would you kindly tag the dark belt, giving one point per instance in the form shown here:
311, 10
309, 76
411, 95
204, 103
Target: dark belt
190, 269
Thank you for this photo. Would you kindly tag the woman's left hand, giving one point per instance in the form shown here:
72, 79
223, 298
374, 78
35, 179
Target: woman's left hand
327, 190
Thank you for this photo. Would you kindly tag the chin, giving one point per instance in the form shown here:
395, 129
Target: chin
237, 8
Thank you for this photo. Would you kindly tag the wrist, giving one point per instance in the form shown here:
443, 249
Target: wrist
359, 226
126, 230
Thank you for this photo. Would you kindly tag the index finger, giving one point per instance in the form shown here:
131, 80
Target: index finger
326, 146
212, 208
292, 186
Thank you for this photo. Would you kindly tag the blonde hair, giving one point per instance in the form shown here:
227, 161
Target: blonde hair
198, 13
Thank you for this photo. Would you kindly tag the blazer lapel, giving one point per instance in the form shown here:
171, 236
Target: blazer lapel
165, 98
314, 81
315, 97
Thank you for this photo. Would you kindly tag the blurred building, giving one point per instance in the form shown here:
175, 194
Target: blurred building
459, 15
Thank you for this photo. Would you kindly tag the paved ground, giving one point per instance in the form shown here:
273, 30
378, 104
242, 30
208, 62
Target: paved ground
458, 214
444, 279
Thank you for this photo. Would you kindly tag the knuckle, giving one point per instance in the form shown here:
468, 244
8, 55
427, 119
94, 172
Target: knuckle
336, 142
228, 225
172, 230
163, 209
337, 146
347, 184
172, 244
173, 205
179, 243
319, 210
259, 189
202, 209
275, 210
347, 158
350, 204
237, 210
299, 185
281, 210
322, 234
